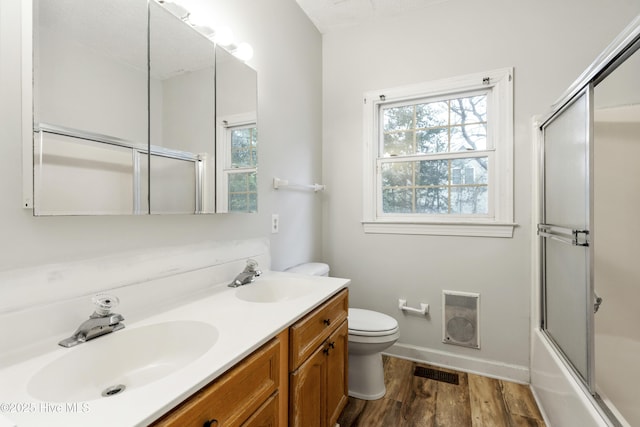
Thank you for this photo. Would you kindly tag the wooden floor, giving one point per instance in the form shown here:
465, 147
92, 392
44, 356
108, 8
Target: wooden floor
414, 401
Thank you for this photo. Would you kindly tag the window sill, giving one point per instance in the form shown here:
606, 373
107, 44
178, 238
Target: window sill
469, 229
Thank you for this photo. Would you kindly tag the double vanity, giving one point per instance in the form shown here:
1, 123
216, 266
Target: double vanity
272, 352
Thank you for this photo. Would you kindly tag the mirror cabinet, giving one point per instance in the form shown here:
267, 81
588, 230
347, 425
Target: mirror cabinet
135, 111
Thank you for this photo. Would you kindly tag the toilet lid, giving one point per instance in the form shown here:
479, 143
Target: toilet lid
361, 320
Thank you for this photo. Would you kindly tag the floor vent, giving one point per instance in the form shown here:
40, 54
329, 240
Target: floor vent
434, 374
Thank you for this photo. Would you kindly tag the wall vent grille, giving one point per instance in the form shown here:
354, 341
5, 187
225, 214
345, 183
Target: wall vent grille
460, 323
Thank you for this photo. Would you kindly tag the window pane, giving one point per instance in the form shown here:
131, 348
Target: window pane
398, 118
458, 124
244, 147
469, 171
238, 203
243, 196
433, 172
398, 144
253, 202
432, 140
397, 200
469, 200
253, 184
432, 114
240, 138
446, 186
468, 137
397, 174
469, 110
432, 200
237, 182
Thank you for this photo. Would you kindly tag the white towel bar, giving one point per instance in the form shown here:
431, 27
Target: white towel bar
283, 183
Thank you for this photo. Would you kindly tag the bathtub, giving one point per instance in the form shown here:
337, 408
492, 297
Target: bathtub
563, 400
618, 376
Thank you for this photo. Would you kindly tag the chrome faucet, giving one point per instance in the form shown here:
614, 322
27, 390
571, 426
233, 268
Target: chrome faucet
247, 275
101, 322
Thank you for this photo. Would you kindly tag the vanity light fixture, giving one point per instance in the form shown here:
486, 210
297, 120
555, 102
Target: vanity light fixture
222, 36
175, 9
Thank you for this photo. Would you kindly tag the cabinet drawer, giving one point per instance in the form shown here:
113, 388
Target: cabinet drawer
307, 334
233, 397
266, 416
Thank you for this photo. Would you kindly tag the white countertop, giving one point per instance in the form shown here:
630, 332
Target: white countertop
242, 327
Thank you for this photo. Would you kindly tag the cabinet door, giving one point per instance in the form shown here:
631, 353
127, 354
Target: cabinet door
337, 365
308, 383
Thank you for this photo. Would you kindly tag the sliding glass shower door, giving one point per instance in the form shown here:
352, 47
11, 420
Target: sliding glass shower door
567, 275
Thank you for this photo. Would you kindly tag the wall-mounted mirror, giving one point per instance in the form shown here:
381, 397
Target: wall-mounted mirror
90, 106
237, 134
124, 98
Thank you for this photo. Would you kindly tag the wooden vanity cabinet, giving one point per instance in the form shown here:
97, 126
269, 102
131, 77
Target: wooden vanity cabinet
299, 379
247, 395
318, 361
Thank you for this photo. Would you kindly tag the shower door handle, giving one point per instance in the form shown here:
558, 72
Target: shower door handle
565, 235
596, 304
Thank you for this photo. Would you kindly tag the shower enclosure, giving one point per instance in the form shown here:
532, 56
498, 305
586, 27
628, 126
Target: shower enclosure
590, 192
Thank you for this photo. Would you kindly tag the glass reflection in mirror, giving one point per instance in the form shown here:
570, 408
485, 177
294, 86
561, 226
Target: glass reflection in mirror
90, 106
237, 134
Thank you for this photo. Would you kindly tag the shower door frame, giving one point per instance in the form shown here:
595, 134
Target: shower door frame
589, 376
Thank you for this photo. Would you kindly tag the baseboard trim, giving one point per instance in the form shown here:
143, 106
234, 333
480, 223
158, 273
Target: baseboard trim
488, 368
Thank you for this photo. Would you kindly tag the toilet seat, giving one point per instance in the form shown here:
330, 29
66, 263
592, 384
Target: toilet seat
368, 323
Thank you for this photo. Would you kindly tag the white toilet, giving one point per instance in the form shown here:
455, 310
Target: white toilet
370, 333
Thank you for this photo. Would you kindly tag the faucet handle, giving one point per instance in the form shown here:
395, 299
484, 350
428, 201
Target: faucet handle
104, 303
252, 266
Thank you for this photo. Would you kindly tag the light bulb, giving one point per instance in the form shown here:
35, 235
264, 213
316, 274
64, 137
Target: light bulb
223, 36
244, 51
197, 20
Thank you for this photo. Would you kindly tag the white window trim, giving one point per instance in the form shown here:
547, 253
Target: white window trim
500, 221
223, 156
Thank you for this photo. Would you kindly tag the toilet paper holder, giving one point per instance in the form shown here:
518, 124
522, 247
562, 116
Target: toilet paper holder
423, 310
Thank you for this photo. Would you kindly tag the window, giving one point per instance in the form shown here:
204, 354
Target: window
238, 165
438, 157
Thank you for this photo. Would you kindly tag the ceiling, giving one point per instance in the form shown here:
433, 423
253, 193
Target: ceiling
328, 15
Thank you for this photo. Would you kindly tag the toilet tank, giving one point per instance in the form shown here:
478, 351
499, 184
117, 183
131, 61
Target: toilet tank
310, 269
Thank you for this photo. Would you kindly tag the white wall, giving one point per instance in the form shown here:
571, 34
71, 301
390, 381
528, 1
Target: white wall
288, 61
549, 44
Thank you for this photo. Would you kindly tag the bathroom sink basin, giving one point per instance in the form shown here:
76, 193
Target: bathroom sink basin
267, 290
121, 361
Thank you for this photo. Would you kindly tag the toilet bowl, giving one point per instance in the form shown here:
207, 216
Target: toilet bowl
370, 333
